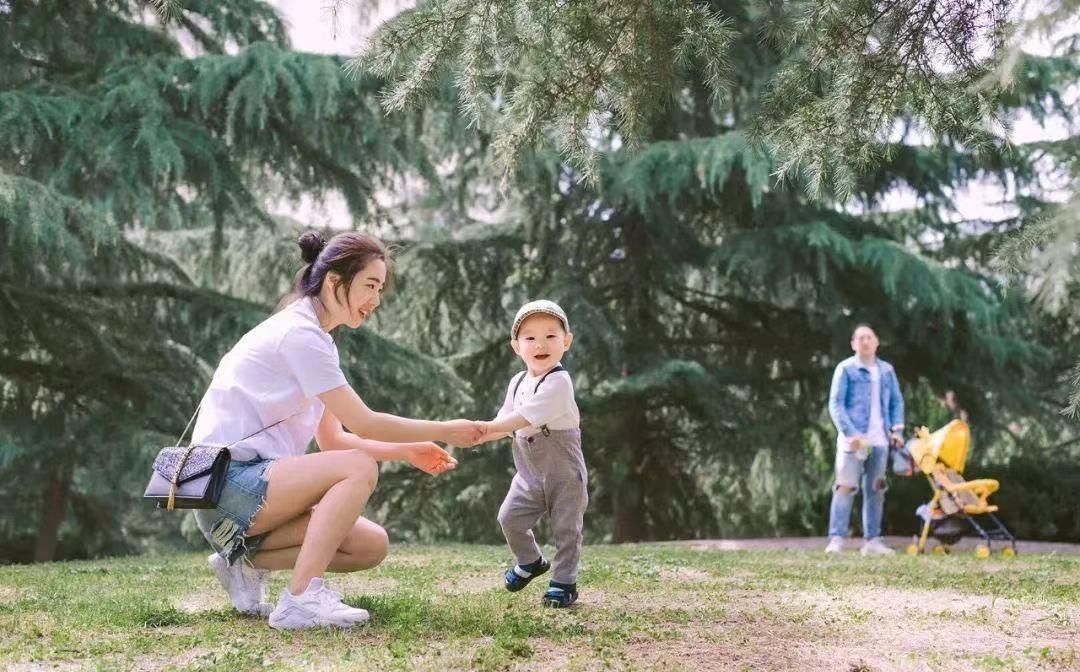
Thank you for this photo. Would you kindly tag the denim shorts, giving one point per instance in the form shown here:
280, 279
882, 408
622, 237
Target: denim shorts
241, 498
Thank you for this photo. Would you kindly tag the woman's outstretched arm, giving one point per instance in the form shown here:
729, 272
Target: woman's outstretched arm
347, 407
424, 455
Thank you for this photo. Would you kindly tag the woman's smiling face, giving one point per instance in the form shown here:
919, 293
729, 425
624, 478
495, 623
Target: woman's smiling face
363, 297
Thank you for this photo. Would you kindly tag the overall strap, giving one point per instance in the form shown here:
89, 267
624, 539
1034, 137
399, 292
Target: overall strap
521, 377
517, 384
544, 429
554, 370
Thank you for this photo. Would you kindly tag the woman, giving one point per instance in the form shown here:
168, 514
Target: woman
282, 382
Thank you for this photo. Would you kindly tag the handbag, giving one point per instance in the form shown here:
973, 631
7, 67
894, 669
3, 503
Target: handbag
193, 476
902, 463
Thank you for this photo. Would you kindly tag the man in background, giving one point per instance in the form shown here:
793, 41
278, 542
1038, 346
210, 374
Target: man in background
868, 410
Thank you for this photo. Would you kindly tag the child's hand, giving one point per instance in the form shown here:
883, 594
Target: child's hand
430, 458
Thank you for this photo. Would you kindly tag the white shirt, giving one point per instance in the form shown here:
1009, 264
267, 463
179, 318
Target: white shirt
553, 405
876, 431
276, 370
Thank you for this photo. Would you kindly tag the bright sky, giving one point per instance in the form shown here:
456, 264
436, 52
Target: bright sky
340, 27
334, 27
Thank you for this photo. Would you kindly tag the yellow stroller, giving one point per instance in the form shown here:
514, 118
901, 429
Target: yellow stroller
958, 505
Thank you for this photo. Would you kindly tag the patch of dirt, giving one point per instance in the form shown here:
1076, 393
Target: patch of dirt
61, 665
960, 608
203, 600
675, 597
548, 655
141, 663
8, 594
684, 574
882, 629
700, 653
965, 545
152, 663
471, 584
357, 584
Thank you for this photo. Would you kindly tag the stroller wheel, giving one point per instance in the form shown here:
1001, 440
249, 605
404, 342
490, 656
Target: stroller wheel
912, 549
982, 551
1008, 552
941, 549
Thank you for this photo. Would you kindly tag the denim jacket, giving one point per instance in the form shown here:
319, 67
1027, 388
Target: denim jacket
849, 397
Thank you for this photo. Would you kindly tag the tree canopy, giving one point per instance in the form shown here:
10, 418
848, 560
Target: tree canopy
701, 185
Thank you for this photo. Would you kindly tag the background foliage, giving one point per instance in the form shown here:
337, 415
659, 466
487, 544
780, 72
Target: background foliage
702, 185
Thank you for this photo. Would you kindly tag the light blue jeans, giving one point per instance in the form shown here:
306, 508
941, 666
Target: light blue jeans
226, 526
867, 475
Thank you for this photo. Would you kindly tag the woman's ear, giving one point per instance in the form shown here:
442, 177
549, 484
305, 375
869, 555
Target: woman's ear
333, 278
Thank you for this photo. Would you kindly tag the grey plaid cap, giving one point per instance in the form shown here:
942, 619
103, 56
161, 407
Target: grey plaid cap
540, 306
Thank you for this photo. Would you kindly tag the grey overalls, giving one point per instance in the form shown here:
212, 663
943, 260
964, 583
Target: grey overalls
551, 478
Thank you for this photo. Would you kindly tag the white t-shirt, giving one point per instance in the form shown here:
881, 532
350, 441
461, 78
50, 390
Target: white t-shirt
553, 405
876, 431
276, 370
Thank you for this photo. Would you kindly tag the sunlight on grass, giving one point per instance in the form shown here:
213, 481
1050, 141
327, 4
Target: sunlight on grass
648, 606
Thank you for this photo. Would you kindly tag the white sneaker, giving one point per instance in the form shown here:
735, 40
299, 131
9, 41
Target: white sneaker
245, 585
875, 546
318, 606
354, 614
836, 544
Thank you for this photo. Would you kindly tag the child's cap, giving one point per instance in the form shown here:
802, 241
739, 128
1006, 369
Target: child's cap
540, 306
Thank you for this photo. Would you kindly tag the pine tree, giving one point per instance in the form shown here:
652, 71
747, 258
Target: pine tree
115, 127
1043, 254
710, 303
526, 70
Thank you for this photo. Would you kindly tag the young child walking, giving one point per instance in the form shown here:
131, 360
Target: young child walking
542, 416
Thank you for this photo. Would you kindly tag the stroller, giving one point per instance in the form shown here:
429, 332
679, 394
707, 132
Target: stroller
958, 505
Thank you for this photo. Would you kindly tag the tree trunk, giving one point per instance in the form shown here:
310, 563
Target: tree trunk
629, 512
629, 506
217, 246
629, 500
54, 509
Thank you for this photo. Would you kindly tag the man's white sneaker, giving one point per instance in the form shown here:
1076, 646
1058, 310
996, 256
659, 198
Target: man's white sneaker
875, 546
836, 544
318, 606
245, 585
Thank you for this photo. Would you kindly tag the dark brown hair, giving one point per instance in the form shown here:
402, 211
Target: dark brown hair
345, 254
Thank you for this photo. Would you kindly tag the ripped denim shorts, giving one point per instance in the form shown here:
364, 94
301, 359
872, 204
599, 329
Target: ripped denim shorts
241, 498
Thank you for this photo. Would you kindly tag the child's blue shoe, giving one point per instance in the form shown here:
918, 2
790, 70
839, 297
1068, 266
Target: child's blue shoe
519, 576
560, 595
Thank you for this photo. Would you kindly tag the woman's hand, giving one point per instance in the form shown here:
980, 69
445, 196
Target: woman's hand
430, 458
463, 433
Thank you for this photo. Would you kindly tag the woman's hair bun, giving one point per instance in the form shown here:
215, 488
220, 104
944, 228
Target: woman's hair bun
311, 244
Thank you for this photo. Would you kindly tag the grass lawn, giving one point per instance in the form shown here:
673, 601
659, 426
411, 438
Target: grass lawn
652, 606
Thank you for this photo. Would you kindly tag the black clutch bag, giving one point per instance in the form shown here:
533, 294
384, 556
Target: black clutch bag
188, 478
192, 477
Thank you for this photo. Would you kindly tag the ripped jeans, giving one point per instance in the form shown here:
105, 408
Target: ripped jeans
867, 475
241, 498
